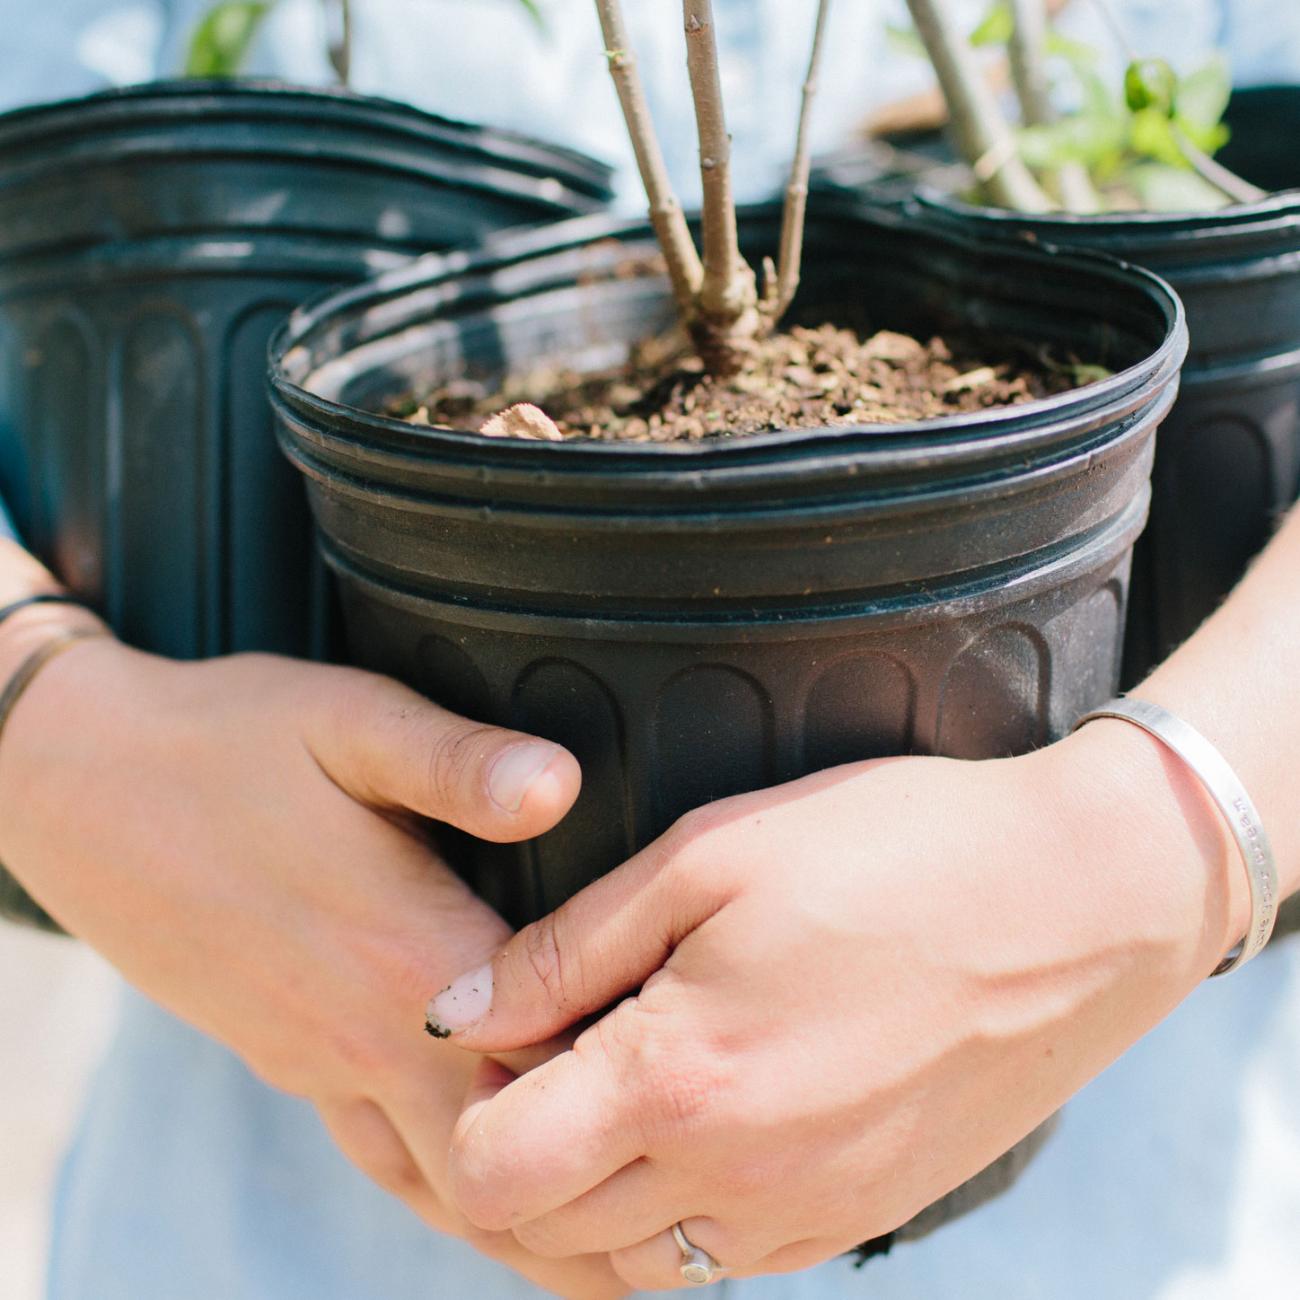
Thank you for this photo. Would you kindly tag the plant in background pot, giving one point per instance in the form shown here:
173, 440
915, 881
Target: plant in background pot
1132, 170
223, 39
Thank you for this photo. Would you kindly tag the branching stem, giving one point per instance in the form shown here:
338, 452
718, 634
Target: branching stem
796, 192
684, 270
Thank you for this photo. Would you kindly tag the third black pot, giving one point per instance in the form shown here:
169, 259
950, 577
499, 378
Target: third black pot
1228, 459
150, 240
698, 620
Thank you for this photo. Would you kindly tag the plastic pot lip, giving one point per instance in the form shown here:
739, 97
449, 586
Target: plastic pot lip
382, 434
170, 102
745, 508
167, 258
1277, 215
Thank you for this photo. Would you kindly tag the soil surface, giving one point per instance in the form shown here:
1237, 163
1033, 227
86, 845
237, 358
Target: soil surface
801, 378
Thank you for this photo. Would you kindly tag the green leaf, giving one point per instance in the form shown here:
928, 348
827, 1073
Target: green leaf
1201, 98
1094, 141
1045, 148
1207, 139
1078, 55
996, 27
905, 40
223, 39
1160, 188
535, 13
1150, 83
1152, 135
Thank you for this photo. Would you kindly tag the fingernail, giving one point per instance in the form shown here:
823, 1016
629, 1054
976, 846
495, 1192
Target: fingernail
462, 1003
514, 770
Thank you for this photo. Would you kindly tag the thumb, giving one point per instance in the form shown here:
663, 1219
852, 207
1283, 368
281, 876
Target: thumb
392, 749
602, 944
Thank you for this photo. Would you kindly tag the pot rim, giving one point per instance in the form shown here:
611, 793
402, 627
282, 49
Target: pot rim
177, 99
388, 435
1278, 211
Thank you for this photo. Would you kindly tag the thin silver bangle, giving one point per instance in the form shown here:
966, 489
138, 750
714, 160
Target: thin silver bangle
1230, 797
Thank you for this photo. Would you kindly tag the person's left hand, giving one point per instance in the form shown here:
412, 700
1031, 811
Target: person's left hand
856, 991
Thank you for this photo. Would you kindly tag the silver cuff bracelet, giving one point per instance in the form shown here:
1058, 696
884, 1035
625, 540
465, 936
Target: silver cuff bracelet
1229, 795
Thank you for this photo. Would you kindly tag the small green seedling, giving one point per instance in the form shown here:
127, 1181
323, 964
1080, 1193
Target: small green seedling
1147, 145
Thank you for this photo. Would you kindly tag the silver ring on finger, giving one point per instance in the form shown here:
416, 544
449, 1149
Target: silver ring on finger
698, 1267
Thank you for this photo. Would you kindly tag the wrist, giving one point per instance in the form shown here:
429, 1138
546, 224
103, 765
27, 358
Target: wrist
25, 630
52, 725
1162, 857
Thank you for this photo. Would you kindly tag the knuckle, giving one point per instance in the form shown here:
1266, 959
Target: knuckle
749, 1181
551, 967
691, 832
543, 1238
679, 1089
479, 1189
697, 856
455, 756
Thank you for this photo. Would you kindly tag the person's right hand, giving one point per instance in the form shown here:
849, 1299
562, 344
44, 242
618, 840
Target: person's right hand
243, 839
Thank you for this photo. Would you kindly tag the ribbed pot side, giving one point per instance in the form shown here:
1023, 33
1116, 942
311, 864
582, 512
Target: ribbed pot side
698, 620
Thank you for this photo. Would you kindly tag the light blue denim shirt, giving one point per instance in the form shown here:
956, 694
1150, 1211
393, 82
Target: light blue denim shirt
189, 1180
486, 60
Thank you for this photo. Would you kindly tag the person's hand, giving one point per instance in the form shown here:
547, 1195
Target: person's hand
244, 840
855, 992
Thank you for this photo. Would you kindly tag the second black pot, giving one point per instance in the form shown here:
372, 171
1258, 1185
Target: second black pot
1228, 458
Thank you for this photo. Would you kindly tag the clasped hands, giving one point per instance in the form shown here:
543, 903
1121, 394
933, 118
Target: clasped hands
830, 1004
817, 1008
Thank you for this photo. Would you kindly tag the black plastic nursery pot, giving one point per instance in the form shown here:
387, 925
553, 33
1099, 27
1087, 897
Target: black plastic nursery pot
1228, 459
150, 240
697, 620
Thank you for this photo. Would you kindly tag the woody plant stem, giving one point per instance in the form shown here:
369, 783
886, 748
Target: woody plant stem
717, 293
